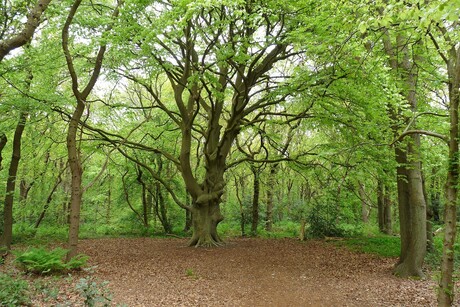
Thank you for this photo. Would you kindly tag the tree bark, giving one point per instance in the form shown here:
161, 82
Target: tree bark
255, 200
429, 217
446, 283
144, 192
76, 172
384, 208
387, 219
71, 140
270, 196
3, 141
241, 182
161, 211
411, 200
7, 236
188, 214
412, 215
206, 217
380, 205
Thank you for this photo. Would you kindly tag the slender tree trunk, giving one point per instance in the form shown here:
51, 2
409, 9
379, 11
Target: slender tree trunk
145, 215
380, 205
108, 210
76, 172
24, 189
365, 211
71, 140
161, 210
7, 236
435, 197
238, 183
429, 217
271, 186
3, 141
49, 198
255, 201
387, 219
446, 283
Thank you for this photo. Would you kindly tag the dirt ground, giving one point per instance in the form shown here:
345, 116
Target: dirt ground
249, 272
245, 272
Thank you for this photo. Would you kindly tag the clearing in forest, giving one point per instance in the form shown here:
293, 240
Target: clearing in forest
249, 272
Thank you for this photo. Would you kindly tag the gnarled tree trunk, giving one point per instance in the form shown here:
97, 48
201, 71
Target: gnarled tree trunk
205, 218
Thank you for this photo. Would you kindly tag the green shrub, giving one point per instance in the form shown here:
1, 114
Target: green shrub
323, 222
41, 261
94, 293
13, 291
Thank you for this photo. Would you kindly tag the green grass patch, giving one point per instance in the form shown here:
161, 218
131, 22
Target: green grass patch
386, 246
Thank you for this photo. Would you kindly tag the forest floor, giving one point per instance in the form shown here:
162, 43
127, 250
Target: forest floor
245, 272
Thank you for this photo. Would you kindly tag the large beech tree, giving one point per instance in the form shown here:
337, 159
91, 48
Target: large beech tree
411, 200
221, 65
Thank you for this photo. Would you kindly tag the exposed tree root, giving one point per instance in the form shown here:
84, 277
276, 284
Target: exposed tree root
209, 242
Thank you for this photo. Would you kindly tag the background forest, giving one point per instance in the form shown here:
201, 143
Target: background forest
209, 119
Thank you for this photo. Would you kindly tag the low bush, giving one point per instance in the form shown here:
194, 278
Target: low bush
42, 261
94, 293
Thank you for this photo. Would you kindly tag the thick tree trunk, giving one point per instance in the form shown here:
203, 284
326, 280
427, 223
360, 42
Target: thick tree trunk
412, 215
188, 214
205, 218
7, 236
411, 200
